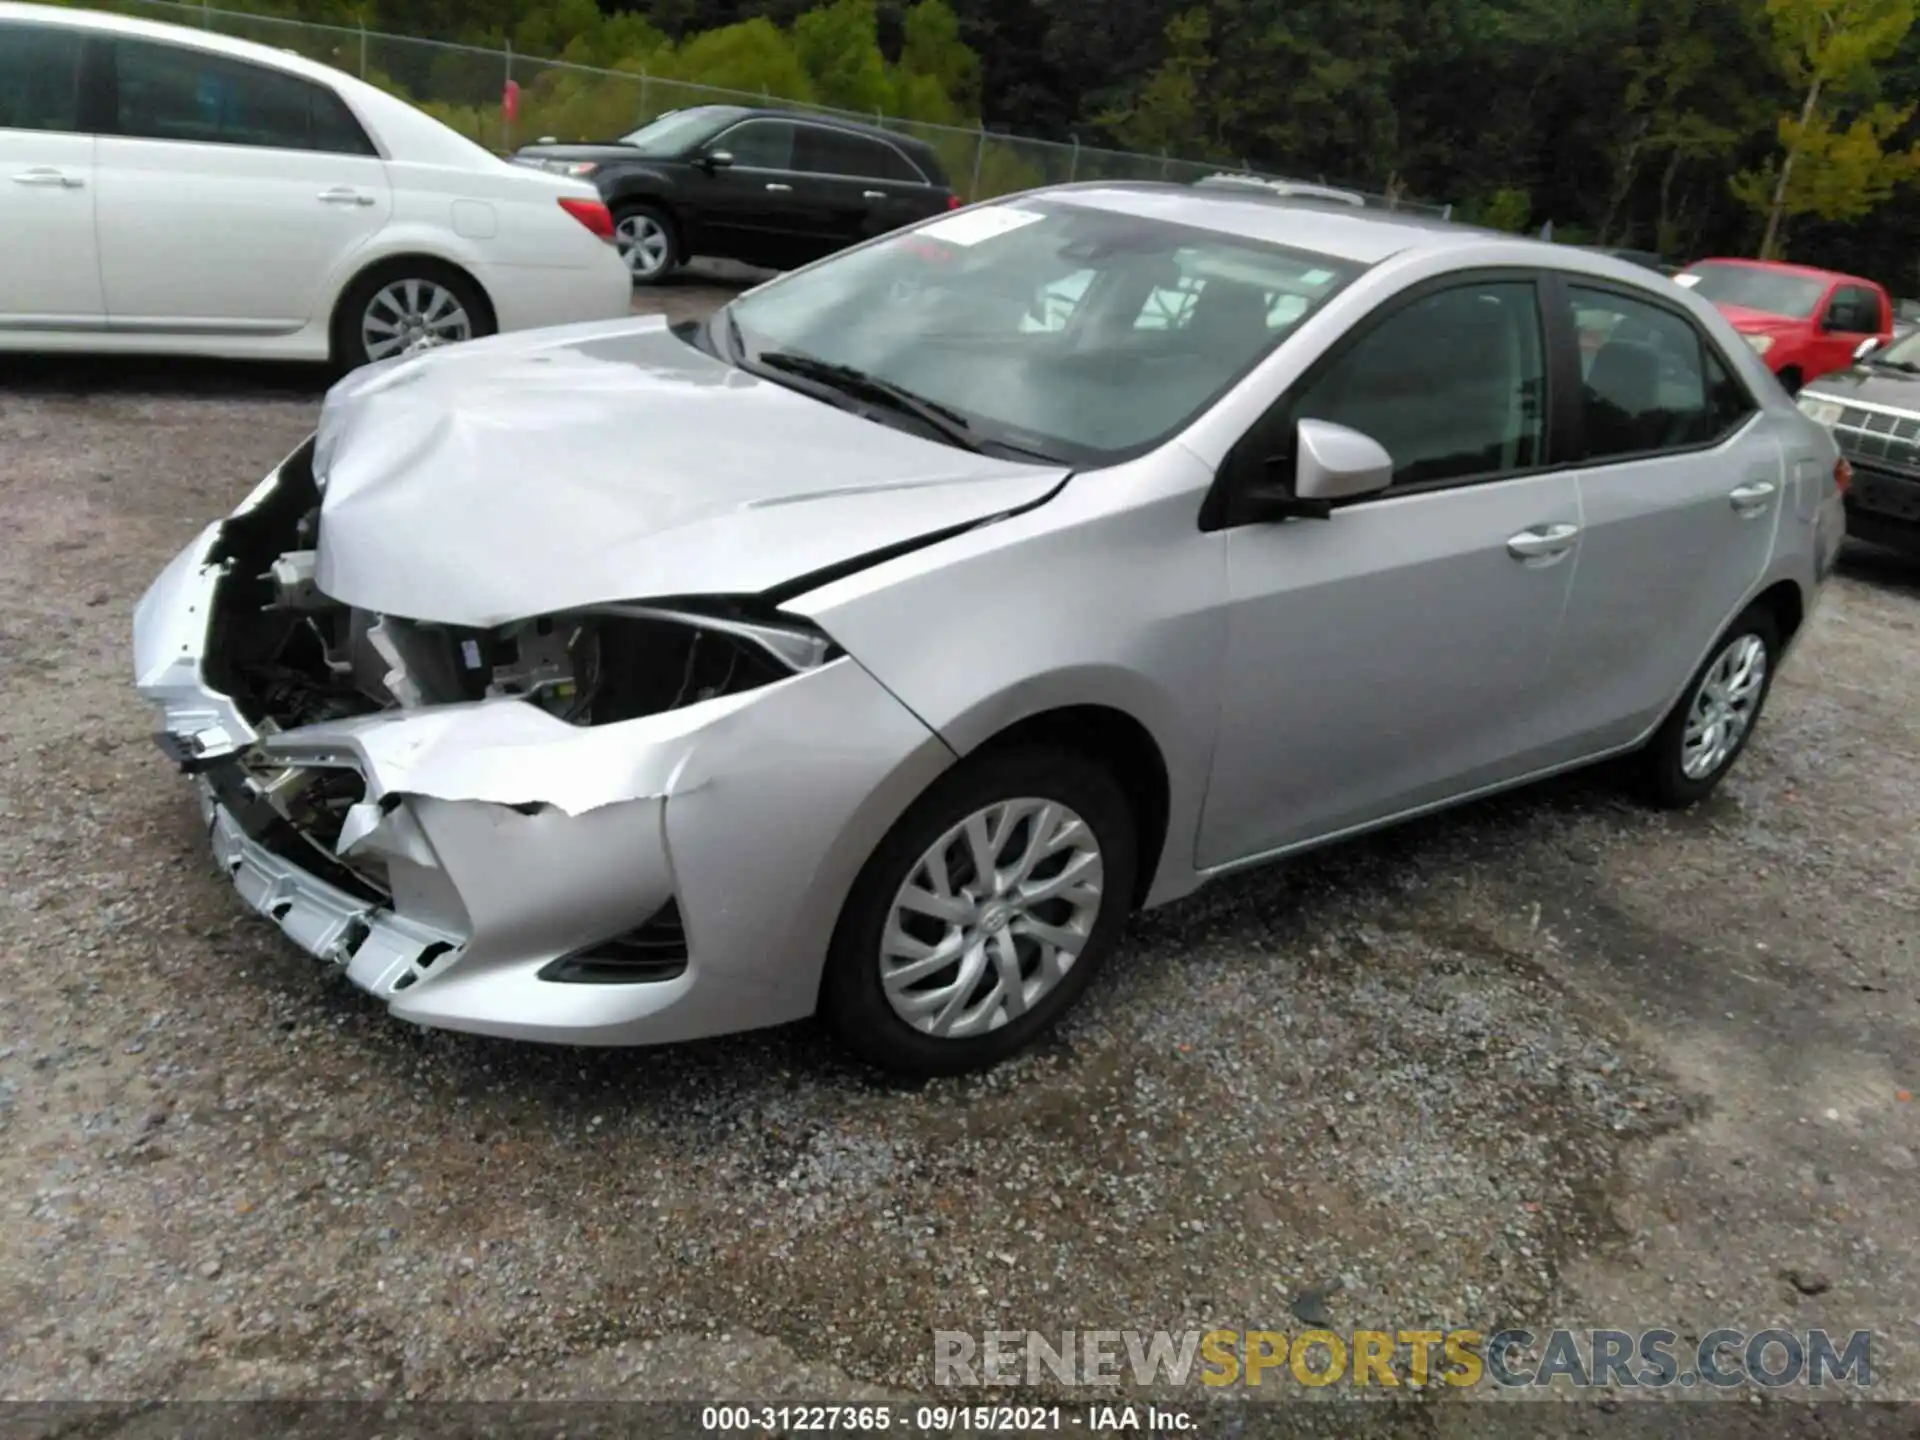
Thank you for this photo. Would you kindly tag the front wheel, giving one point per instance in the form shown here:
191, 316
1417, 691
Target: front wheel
983, 914
1692, 752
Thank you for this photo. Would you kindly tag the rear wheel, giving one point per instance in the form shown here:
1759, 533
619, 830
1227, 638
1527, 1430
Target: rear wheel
404, 307
647, 242
1692, 752
984, 913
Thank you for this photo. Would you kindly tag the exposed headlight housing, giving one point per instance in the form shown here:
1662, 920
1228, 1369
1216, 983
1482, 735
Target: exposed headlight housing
1761, 343
579, 169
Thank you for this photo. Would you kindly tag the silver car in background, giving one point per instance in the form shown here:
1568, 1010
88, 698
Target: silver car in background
874, 648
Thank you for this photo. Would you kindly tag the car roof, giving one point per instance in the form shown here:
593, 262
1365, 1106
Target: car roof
1326, 227
1784, 267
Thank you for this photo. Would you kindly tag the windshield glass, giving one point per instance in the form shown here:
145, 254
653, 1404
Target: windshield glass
677, 129
1071, 332
1775, 291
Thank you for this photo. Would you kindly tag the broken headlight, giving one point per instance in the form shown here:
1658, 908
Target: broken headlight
619, 662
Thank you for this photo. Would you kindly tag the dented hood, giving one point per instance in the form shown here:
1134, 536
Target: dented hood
531, 473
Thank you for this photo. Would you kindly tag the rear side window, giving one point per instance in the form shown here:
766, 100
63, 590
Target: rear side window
39, 77
837, 152
1452, 384
1649, 380
167, 92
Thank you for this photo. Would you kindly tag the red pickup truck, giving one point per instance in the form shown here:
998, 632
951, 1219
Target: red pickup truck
1805, 323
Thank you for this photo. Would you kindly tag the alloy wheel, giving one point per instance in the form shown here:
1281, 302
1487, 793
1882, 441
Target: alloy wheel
408, 316
1723, 706
644, 244
991, 918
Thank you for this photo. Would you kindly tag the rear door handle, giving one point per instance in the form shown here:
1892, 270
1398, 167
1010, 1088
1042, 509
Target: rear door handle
873, 194
778, 188
345, 195
1543, 542
1754, 498
47, 175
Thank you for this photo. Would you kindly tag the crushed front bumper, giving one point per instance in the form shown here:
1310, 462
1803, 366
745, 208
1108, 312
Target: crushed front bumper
509, 840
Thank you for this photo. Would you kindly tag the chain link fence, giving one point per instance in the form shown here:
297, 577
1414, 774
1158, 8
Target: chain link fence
464, 86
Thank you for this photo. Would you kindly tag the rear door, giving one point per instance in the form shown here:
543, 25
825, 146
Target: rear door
229, 193
49, 266
1681, 487
868, 185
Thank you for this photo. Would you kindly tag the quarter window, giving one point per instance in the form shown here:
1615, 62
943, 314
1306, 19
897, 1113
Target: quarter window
759, 144
1649, 381
167, 92
1452, 384
39, 78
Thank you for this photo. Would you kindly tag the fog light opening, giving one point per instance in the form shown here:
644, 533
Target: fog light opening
645, 955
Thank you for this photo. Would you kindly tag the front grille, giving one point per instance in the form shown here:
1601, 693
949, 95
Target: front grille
1892, 441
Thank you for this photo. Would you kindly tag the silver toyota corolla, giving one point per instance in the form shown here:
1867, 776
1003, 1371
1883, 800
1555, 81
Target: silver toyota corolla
874, 648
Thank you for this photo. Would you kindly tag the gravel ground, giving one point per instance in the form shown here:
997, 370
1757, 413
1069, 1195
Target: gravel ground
1551, 1058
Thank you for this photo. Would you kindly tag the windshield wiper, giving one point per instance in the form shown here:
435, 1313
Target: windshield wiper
857, 384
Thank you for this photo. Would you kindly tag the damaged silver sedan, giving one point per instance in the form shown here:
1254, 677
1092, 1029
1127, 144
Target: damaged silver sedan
875, 647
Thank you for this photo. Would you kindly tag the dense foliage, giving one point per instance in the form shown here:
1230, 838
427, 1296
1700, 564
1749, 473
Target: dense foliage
1687, 126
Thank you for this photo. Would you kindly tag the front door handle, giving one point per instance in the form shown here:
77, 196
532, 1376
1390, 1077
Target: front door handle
1543, 542
344, 195
1752, 499
778, 188
47, 175
873, 194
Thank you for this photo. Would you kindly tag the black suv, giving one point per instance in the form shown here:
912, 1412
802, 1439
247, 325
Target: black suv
764, 187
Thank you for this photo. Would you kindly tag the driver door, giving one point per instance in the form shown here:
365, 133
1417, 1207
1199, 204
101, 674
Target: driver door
1394, 656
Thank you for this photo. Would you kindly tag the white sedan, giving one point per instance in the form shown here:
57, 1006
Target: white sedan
164, 190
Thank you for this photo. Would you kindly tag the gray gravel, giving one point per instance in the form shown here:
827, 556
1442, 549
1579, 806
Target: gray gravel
1552, 1058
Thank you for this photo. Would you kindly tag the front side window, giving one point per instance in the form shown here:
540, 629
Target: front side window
1755, 287
759, 144
1651, 384
1452, 384
1854, 310
39, 77
1060, 328
168, 92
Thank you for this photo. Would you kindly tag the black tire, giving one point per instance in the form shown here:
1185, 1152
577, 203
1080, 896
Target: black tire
853, 1000
1790, 378
349, 344
634, 212
1662, 766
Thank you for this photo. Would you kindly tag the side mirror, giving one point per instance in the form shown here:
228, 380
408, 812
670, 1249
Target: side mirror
1330, 462
1866, 347
715, 160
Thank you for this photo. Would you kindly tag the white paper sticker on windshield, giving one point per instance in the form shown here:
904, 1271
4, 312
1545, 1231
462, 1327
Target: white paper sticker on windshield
1316, 277
1688, 281
970, 227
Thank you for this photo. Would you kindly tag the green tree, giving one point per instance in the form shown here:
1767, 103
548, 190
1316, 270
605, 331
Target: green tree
931, 49
1828, 50
1169, 111
839, 47
755, 56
